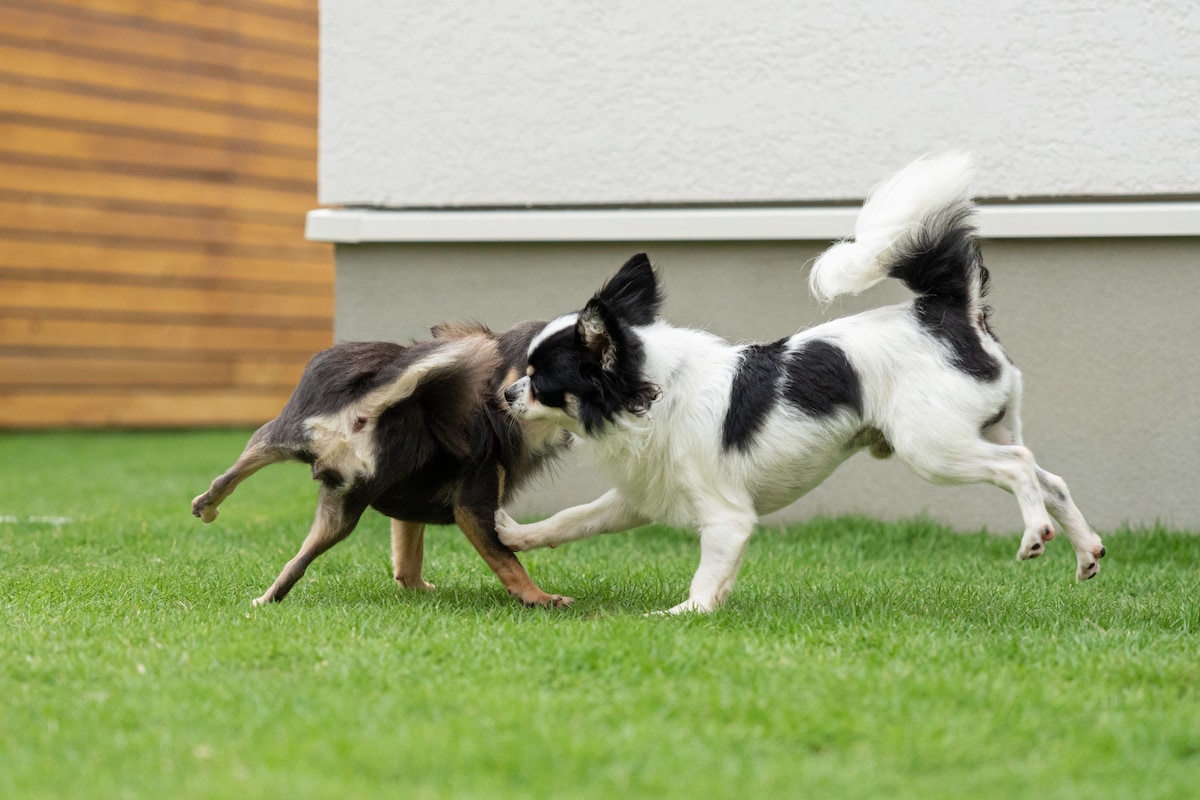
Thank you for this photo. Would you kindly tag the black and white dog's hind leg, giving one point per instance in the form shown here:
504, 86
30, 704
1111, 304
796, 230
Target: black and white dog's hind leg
1055, 495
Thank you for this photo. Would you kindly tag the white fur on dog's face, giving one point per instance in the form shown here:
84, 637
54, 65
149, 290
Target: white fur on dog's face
524, 405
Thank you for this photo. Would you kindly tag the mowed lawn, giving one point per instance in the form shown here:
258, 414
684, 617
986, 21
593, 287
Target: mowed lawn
856, 659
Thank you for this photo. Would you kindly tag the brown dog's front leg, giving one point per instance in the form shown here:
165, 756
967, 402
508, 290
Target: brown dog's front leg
408, 554
335, 520
479, 526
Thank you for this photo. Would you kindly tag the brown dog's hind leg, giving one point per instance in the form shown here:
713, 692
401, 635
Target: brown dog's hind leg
408, 554
335, 520
257, 455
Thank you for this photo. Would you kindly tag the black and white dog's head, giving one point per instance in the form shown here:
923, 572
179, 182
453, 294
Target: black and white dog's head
586, 367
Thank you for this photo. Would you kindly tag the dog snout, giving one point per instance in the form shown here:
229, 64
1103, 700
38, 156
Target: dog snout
515, 391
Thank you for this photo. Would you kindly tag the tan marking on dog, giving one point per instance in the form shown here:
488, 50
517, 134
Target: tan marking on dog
457, 330
344, 440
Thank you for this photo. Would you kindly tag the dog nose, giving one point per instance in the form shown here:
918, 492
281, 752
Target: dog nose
511, 394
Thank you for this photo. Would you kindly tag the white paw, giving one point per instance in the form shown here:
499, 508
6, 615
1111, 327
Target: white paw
512, 533
1089, 561
1033, 543
688, 606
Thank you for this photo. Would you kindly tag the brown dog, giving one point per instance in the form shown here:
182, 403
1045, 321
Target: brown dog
419, 433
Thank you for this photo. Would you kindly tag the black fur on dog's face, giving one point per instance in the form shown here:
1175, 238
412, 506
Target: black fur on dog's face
587, 367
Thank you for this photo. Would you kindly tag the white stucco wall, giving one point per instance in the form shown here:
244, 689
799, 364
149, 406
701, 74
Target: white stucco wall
455, 102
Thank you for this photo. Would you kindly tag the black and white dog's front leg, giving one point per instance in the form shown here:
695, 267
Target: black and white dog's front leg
723, 541
609, 513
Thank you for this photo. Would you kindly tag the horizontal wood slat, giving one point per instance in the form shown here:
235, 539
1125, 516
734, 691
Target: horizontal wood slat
24, 295
104, 220
157, 158
61, 28
76, 105
86, 147
73, 372
179, 191
20, 57
193, 268
138, 409
237, 19
184, 337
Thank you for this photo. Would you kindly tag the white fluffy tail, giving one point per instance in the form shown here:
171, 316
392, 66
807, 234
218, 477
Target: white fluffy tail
895, 213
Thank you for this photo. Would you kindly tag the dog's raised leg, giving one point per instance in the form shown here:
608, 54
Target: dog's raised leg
408, 554
608, 513
723, 543
256, 456
335, 520
1011, 467
1087, 545
475, 512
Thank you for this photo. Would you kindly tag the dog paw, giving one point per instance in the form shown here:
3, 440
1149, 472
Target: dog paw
1033, 543
688, 606
512, 533
1089, 561
544, 600
416, 584
1087, 570
202, 509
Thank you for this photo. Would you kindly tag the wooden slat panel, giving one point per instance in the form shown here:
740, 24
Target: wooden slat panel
182, 336
25, 295
33, 60
210, 18
92, 183
170, 50
149, 154
55, 373
58, 256
157, 158
139, 409
80, 107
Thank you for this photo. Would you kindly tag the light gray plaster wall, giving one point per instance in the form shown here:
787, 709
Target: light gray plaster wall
462, 103
1104, 331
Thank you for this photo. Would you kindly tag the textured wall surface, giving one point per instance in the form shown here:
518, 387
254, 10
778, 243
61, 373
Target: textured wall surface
1104, 332
450, 102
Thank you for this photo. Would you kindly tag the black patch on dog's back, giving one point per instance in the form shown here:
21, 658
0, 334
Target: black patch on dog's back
818, 379
753, 393
952, 324
821, 379
943, 269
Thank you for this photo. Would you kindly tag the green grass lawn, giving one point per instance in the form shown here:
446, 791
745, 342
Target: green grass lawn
855, 659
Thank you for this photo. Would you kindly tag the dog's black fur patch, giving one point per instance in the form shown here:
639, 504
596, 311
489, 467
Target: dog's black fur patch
754, 393
817, 378
821, 379
940, 270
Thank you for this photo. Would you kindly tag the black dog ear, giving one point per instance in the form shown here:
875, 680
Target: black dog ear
594, 335
632, 295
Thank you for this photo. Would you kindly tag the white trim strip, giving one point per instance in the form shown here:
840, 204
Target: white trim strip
1018, 221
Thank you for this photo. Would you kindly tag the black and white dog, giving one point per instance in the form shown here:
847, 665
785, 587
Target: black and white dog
697, 432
